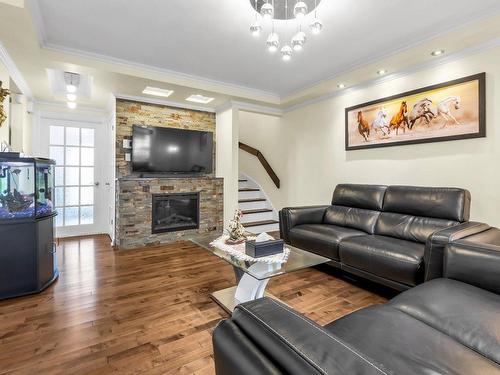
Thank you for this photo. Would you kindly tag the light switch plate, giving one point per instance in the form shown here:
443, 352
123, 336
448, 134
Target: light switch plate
127, 143
128, 157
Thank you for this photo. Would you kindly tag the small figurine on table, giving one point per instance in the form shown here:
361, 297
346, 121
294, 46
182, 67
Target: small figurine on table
236, 230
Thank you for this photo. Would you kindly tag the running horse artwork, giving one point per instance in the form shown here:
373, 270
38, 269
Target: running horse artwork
400, 119
3, 94
443, 112
363, 127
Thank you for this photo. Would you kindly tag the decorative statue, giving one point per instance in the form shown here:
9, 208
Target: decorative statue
235, 230
3, 94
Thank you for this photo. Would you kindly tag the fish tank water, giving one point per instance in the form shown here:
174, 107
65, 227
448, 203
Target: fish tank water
26, 187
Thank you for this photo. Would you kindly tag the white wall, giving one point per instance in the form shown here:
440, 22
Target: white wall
263, 132
312, 138
227, 158
4, 129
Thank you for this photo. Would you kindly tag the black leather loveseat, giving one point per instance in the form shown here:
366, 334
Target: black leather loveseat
393, 235
448, 325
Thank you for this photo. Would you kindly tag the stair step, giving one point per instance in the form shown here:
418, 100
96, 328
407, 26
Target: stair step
257, 211
258, 223
242, 180
252, 200
248, 189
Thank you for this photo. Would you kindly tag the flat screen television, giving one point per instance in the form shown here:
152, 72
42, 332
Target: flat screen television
171, 151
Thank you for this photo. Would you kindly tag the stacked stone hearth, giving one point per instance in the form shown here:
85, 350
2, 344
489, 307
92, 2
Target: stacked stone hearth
134, 194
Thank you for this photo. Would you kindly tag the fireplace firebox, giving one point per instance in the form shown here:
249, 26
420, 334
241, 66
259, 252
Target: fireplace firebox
175, 212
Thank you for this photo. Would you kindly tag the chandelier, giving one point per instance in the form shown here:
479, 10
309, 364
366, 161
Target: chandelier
274, 13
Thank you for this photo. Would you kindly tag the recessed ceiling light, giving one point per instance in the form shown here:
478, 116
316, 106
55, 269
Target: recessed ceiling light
340, 85
71, 97
157, 92
437, 52
381, 72
71, 105
197, 98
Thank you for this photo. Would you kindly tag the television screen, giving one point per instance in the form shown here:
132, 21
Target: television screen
168, 150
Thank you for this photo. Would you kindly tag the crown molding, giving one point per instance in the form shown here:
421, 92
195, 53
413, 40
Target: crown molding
14, 73
257, 108
168, 103
493, 43
36, 16
62, 105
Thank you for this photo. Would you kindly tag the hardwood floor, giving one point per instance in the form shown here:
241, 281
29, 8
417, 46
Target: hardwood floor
143, 311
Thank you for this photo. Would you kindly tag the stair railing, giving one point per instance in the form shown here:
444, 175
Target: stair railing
263, 161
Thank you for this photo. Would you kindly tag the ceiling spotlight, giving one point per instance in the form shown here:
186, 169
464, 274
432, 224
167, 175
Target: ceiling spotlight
71, 97
286, 52
267, 11
316, 26
156, 91
340, 85
300, 9
273, 42
298, 41
437, 52
255, 29
71, 105
381, 72
197, 98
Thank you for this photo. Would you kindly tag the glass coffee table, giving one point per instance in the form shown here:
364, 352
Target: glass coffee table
252, 277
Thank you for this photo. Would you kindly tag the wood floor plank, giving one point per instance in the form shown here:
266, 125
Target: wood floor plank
144, 311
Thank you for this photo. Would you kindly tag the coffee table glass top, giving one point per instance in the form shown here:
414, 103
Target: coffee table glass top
297, 259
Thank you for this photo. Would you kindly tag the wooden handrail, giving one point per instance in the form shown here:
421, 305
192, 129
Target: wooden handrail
263, 161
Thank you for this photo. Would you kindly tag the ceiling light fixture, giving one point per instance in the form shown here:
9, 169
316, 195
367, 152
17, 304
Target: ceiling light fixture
279, 13
72, 81
197, 98
437, 52
155, 91
71, 105
340, 85
71, 97
381, 72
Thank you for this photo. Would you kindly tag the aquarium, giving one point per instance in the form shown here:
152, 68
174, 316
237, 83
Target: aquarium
26, 187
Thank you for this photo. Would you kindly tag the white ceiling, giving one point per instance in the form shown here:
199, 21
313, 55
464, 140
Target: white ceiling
210, 38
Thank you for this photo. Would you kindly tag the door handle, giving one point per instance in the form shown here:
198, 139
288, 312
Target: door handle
96, 183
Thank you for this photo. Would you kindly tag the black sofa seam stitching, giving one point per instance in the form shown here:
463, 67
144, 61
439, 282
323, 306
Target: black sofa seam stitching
447, 335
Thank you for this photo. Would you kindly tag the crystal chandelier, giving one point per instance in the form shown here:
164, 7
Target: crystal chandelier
273, 13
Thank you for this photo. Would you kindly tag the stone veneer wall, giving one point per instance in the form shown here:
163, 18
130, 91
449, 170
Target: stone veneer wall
134, 203
134, 195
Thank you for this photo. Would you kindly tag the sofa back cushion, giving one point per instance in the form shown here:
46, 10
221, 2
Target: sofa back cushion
351, 217
409, 227
441, 203
370, 197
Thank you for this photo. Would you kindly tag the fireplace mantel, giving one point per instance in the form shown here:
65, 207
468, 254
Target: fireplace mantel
134, 208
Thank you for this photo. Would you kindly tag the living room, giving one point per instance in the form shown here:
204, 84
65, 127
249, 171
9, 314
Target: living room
283, 187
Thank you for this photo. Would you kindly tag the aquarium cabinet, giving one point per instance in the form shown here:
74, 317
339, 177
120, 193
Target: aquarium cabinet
28, 262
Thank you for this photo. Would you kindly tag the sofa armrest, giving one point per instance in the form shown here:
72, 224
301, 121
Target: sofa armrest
292, 216
434, 249
475, 263
290, 342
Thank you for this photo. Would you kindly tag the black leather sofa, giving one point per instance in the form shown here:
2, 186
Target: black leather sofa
393, 235
449, 325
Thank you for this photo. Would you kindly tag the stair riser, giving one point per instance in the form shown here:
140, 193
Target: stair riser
263, 228
247, 218
249, 194
252, 205
246, 185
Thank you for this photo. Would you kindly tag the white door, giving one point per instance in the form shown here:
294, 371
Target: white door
80, 192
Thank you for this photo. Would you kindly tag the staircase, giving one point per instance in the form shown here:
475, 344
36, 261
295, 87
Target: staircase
258, 213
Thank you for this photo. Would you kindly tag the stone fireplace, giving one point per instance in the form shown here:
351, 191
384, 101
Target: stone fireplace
174, 212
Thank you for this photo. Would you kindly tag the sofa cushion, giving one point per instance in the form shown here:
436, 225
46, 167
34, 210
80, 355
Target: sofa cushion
405, 345
468, 314
387, 257
357, 218
444, 203
321, 239
370, 197
409, 227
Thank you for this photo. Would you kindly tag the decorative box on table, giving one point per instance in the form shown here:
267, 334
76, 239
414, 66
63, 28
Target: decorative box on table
264, 248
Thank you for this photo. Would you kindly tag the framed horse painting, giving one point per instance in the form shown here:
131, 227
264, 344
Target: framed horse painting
444, 112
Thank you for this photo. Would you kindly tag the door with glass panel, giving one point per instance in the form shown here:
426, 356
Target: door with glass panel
75, 148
